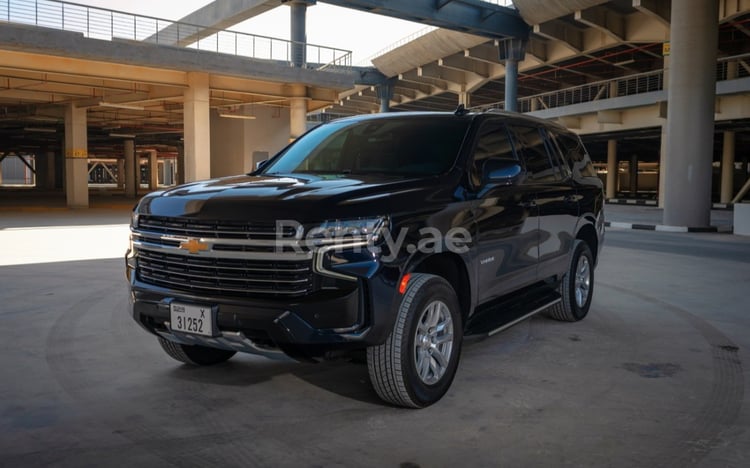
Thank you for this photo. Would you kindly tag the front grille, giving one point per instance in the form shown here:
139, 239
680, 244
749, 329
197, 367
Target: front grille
231, 277
235, 259
215, 229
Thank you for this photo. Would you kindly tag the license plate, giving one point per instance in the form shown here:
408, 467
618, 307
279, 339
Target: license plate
195, 319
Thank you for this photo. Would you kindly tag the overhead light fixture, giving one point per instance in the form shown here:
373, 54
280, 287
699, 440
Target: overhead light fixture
229, 115
39, 130
121, 106
122, 135
43, 118
624, 62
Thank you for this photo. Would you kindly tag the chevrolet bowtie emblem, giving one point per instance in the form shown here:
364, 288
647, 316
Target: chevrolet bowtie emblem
194, 246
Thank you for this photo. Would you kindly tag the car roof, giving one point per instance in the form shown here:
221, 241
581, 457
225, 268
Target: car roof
512, 116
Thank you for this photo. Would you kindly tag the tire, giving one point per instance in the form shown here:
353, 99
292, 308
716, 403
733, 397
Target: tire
577, 286
195, 355
415, 366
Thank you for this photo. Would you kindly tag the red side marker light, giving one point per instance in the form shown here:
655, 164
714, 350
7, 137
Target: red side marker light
404, 283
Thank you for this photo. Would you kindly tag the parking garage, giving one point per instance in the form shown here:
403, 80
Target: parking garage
653, 377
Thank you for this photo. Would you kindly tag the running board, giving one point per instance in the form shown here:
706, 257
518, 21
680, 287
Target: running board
521, 319
503, 314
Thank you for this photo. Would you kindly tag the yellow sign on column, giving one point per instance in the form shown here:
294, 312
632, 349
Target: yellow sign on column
77, 154
665, 48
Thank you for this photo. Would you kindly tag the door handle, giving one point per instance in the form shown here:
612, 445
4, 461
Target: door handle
529, 204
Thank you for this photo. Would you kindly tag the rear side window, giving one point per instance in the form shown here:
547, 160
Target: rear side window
529, 142
575, 154
492, 142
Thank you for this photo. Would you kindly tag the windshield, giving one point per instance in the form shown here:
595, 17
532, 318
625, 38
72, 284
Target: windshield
425, 145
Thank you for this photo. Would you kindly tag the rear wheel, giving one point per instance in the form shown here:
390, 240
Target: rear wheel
577, 286
416, 365
195, 355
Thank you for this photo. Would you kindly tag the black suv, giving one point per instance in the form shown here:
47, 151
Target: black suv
391, 235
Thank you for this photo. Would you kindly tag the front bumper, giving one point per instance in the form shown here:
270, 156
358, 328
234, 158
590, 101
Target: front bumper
302, 328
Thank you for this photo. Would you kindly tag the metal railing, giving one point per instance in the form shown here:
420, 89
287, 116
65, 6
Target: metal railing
112, 25
624, 86
397, 44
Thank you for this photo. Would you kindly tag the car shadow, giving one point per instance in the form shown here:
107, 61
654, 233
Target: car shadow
343, 378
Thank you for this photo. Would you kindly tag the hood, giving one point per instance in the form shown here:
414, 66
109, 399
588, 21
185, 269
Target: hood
304, 198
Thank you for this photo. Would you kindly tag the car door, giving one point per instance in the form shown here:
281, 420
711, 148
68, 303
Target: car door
506, 220
554, 194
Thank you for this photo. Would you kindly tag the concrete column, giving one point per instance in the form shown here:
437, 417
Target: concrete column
464, 97
49, 175
727, 167
153, 170
131, 170
385, 94
299, 32
690, 122
298, 117
512, 51
633, 186
197, 124
40, 168
612, 169
76, 158
663, 165
664, 139
613, 89
180, 165
121, 174
511, 85
732, 70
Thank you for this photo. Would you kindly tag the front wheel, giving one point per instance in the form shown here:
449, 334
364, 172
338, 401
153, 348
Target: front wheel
415, 366
577, 286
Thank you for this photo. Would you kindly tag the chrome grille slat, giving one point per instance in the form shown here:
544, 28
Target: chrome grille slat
207, 264
222, 290
212, 228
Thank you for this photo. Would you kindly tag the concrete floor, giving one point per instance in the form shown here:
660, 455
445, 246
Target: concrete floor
653, 377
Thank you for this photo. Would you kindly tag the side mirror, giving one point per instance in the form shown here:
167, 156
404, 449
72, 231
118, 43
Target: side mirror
502, 171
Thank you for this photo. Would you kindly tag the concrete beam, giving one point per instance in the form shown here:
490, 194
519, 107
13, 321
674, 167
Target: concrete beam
413, 77
487, 52
537, 50
418, 87
731, 9
470, 16
463, 64
603, 19
540, 11
659, 10
447, 75
404, 91
220, 14
559, 31
27, 48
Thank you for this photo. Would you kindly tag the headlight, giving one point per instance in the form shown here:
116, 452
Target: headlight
134, 219
348, 231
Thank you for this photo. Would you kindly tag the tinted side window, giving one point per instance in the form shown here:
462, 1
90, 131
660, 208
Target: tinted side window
575, 154
492, 142
529, 141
